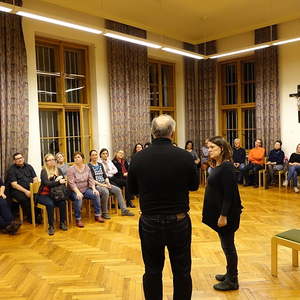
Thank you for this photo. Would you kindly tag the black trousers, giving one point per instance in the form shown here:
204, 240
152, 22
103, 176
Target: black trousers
122, 182
156, 232
228, 246
50, 204
254, 168
5, 213
24, 201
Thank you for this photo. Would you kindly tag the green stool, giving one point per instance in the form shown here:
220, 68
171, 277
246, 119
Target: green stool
291, 239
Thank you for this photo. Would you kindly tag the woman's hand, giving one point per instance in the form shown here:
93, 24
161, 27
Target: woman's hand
95, 192
62, 181
2, 196
79, 196
222, 221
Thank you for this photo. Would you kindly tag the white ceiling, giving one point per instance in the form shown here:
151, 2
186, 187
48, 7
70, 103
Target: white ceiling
191, 21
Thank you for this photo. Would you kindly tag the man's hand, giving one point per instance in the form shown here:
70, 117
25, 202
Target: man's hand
222, 221
27, 193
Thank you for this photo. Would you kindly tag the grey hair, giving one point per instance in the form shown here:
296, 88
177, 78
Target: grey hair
163, 126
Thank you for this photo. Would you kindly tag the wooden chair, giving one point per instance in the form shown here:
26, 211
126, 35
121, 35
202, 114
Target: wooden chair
290, 239
34, 188
112, 199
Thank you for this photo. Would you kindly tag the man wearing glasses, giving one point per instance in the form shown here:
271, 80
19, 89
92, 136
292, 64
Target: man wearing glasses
19, 177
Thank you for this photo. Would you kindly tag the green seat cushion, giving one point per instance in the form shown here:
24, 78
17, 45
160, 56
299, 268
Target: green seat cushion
292, 235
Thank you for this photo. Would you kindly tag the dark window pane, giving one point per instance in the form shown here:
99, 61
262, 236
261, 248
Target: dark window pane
74, 90
72, 133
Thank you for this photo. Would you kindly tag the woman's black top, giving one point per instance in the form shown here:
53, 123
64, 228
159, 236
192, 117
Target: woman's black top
222, 198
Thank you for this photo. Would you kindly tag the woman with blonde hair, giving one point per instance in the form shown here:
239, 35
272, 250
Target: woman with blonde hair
52, 176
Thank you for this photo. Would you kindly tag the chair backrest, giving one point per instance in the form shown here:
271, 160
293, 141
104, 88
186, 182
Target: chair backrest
34, 187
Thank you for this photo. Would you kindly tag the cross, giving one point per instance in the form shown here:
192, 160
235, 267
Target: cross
297, 95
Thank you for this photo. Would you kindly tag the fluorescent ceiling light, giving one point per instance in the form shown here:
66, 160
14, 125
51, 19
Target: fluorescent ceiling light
286, 41
58, 22
132, 40
240, 51
5, 9
182, 52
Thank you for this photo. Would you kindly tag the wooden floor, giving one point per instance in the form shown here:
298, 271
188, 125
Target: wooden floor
103, 261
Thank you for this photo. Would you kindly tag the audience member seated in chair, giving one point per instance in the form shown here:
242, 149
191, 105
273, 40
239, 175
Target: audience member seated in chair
7, 225
239, 157
294, 168
204, 156
256, 159
110, 170
100, 178
189, 147
51, 177
120, 178
19, 177
275, 163
82, 185
61, 164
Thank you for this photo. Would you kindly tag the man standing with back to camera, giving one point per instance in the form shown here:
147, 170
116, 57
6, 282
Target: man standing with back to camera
163, 175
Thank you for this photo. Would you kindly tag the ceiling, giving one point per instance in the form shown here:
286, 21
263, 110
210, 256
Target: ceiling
191, 21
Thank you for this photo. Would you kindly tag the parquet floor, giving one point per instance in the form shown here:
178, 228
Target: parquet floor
103, 261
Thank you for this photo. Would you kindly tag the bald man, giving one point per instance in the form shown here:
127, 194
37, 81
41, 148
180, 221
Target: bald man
163, 175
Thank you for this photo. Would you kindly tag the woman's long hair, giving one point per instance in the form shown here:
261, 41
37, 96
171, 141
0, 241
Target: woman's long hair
50, 171
226, 150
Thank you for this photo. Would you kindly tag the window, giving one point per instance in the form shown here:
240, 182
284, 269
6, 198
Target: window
64, 109
237, 101
162, 88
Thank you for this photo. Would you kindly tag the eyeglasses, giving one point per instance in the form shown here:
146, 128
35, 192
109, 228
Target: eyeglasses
51, 159
18, 158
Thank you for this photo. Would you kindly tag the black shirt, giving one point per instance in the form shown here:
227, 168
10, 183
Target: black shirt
22, 175
295, 157
239, 155
276, 156
222, 198
163, 175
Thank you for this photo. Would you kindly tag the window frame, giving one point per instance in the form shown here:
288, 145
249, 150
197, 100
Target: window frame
240, 106
62, 105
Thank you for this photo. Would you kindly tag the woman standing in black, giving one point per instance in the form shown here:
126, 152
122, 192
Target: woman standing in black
222, 208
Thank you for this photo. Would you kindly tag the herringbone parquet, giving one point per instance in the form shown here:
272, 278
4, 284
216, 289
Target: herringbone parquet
103, 261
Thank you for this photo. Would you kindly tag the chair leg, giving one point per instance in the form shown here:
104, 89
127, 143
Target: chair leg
21, 214
274, 257
279, 180
116, 205
295, 258
70, 212
45, 218
67, 212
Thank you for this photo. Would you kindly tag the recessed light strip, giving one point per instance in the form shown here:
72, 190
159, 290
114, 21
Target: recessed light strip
182, 52
129, 39
240, 51
286, 41
57, 22
5, 9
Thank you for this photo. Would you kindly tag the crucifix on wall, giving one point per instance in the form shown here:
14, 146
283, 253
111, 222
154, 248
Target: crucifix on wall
297, 95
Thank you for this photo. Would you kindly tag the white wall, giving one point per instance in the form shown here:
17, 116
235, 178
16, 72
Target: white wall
98, 74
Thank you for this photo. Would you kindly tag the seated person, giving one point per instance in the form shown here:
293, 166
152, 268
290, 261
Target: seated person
239, 157
256, 159
82, 185
204, 156
60, 161
6, 219
275, 163
189, 147
110, 170
99, 176
52, 176
294, 169
120, 178
19, 177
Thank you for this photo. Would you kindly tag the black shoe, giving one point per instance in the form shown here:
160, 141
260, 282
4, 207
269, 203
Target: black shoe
227, 285
220, 277
51, 230
130, 204
12, 228
63, 226
255, 185
126, 212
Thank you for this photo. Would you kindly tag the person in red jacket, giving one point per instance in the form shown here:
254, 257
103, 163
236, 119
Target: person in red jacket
256, 158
